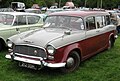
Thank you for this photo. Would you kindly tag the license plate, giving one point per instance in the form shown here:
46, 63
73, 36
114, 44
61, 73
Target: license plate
27, 65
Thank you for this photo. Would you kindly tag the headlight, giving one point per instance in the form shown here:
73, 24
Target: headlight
9, 44
50, 49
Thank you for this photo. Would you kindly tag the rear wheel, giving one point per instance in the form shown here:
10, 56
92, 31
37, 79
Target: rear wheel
0, 46
72, 62
111, 43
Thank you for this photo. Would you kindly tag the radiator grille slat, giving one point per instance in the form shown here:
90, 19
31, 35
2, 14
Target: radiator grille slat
29, 50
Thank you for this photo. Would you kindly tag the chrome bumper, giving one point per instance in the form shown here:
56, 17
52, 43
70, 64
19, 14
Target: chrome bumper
37, 62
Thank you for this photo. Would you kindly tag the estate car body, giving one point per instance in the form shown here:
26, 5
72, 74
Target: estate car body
66, 39
12, 22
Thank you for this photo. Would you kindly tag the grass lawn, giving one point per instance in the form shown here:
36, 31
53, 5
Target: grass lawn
104, 66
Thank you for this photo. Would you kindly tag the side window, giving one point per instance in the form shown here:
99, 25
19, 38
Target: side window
33, 19
100, 21
107, 19
20, 20
90, 23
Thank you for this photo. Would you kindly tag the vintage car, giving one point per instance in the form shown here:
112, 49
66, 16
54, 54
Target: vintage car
13, 22
66, 39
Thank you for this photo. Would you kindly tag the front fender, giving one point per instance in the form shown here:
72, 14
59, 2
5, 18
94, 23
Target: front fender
65, 51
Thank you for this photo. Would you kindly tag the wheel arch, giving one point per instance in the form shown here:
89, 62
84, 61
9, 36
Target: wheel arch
112, 36
3, 42
69, 49
78, 51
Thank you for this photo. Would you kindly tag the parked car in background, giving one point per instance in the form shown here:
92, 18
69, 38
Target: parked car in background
49, 11
13, 22
32, 10
44, 8
6, 10
53, 7
66, 39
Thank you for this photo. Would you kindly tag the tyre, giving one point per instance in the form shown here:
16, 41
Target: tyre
0, 46
111, 43
72, 62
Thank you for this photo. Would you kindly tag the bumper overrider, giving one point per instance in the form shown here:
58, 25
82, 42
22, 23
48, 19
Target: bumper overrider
40, 62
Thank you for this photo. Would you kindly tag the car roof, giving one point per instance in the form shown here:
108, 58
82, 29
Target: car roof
80, 13
19, 13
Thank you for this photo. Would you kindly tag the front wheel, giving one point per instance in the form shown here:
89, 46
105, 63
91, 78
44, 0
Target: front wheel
72, 62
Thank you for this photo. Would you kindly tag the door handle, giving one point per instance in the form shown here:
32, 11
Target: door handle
17, 29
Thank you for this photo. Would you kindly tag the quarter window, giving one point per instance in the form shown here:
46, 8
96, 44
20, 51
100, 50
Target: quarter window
90, 23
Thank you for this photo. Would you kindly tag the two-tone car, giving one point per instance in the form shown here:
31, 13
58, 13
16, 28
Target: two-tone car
13, 22
66, 39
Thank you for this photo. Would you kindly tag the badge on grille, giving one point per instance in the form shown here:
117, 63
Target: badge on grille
35, 52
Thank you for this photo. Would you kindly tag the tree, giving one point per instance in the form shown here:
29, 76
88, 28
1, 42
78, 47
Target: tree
107, 4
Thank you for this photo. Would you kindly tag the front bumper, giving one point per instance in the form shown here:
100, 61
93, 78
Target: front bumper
37, 62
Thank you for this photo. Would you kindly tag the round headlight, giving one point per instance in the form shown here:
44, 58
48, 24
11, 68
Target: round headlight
9, 43
50, 49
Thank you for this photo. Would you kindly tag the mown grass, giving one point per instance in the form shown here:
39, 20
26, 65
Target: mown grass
104, 66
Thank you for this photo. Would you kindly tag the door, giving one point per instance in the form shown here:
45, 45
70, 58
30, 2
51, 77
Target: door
92, 37
19, 24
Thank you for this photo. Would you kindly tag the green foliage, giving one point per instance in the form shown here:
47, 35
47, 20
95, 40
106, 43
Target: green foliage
79, 3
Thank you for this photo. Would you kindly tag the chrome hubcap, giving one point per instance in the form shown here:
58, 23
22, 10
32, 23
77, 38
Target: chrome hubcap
70, 62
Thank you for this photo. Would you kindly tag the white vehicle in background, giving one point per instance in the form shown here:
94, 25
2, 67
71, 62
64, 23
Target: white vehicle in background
53, 7
12, 23
44, 8
17, 6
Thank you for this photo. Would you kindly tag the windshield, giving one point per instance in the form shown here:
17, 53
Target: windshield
64, 22
6, 19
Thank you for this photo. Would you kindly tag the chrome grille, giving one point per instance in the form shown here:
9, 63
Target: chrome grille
30, 50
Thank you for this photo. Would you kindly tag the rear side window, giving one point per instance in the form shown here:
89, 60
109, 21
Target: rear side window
90, 23
100, 21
